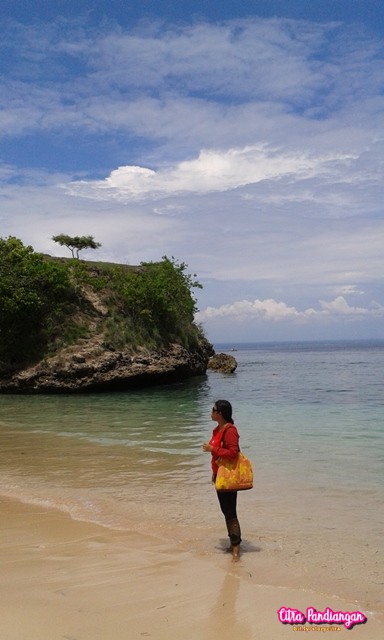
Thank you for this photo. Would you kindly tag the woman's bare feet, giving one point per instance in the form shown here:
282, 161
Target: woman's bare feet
236, 553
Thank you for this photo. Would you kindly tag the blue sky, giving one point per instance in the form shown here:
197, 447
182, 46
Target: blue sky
244, 138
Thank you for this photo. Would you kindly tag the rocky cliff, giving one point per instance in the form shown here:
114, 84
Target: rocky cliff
119, 327
91, 367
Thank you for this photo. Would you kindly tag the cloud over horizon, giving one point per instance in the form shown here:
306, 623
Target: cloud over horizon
277, 311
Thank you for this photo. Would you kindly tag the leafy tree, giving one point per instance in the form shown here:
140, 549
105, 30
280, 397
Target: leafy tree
32, 291
76, 243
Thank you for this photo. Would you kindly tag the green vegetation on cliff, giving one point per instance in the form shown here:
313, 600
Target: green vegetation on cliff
34, 295
49, 303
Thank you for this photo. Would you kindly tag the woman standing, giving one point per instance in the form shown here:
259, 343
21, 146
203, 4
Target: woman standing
224, 443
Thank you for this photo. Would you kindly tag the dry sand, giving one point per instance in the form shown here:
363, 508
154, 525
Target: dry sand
68, 580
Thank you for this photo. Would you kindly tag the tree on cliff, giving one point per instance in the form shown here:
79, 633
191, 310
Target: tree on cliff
76, 243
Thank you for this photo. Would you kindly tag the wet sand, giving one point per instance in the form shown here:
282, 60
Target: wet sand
69, 580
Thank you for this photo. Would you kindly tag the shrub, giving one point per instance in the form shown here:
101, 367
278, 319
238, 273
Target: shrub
158, 300
32, 293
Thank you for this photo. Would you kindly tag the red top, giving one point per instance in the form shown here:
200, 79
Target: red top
224, 443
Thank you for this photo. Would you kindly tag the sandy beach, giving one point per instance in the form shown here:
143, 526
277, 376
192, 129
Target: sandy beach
64, 579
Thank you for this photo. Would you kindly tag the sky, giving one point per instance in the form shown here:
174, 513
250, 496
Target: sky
245, 139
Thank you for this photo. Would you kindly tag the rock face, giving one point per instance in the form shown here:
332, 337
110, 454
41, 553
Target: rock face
93, 368
223, 363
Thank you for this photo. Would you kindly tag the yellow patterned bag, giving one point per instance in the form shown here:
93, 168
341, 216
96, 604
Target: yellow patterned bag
234, 475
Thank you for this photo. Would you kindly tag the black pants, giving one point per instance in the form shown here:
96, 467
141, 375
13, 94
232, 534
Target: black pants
228, 501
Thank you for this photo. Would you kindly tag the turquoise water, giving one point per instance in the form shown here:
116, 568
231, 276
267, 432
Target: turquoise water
310, 417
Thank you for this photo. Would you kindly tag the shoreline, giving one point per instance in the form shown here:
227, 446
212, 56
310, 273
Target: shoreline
328, 558
66, 578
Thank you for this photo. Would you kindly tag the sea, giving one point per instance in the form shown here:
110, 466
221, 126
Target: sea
310, 417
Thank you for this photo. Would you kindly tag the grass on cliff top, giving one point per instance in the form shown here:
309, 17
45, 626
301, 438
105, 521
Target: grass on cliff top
96, 264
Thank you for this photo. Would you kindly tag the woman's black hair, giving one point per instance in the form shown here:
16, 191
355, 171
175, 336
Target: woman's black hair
225, 409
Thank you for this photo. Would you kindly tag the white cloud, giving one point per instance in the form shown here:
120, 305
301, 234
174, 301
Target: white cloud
225, 80
347, 290
268, 311
340, 306
211, 171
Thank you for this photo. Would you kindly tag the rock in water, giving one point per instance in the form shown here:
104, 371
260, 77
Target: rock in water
222, 362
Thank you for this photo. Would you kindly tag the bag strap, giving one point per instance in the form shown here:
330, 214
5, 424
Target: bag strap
222, 442
222, 435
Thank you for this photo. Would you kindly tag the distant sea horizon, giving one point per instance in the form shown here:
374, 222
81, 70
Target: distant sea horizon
292, 344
